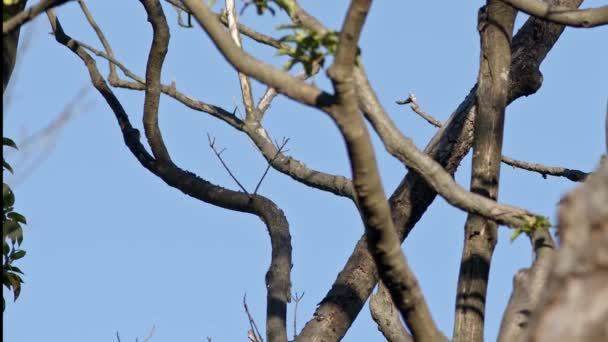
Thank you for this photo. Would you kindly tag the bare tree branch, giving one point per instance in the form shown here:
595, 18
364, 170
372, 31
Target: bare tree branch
243, 79
386, 316
218, 154
528, 287
278, 281
575, 295
23, 17
253, 334
382, 238
573, 175
10, 42
495, 25
156, 57
409, 201
396, 143
589, 17
100, 35
286, 84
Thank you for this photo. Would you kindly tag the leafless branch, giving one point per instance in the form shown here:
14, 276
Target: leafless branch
278, 281
100, 35
386, 316
279, 150
150, 334
571, 174
495, 25
382, 238
253, 334
413, 196
336, 184
218, 154
156, 58
244, 81
21, 18
589, 17
412, 101
576, 292
296, 300
529, 285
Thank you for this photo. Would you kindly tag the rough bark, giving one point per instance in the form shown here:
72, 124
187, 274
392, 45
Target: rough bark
10, 43
575, 302
353, 285
495, 29
278, 277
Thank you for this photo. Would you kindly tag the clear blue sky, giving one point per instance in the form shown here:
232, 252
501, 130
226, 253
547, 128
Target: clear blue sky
111, 247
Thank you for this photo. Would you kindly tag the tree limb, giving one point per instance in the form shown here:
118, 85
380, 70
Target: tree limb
10, 42
23, 17
543, 170
574, 305
381, 235
409, 201
386, 316
495, 25
589, 17
278, 281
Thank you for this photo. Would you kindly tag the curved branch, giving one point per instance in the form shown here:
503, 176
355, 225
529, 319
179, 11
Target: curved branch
589, 17
286, 84
409, 201
383, 241
278, 281
156, 57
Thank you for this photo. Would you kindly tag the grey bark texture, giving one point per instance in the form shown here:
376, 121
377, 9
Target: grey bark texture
495, 27
575, 302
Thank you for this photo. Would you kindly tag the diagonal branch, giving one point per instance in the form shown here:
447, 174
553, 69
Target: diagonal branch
383, 241
385, 314
23, 17
409, 201
573, 175
396, 143
286, 84
278, 281
588, 17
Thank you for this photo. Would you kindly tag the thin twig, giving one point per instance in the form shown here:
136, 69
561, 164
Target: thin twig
150, 334
279, 150
296, 299
254, 333
556, 171
219, 156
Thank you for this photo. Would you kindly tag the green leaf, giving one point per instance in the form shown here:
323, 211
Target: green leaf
8, 198
18, 254
10, 228
15, 269
7, 141
516, 233
17, 217
7, 166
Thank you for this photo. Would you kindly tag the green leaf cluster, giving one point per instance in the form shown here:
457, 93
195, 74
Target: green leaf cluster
310, 47
535, 224
264, 5
12, 234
